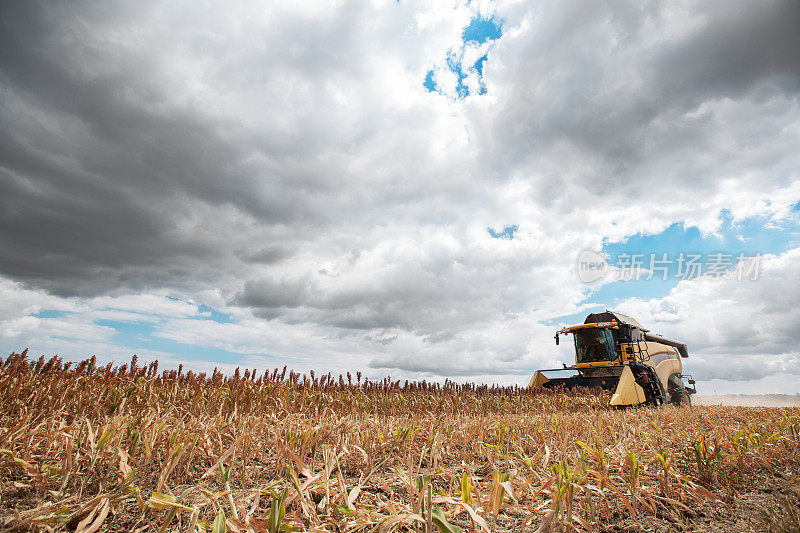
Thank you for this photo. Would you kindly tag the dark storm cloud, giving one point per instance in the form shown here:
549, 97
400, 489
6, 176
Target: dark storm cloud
268, 293
620, 85
267, 256
740, 45
97, 162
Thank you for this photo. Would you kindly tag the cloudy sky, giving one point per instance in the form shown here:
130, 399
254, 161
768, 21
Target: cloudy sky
400, 188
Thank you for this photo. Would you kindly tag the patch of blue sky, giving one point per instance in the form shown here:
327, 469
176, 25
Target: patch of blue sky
50, 313
507, 233
480, 30
130, 334
210, 313
746, 238
140, 336
429, 83
144, 335
454, 64
749, 237
479, 64
196, 352
575, 318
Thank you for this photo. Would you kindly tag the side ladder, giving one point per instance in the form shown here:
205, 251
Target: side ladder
647, 378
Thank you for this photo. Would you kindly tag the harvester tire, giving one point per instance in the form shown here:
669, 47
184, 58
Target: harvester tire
684, 400
678, 394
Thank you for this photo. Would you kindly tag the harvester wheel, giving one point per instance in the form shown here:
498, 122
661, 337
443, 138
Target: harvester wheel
678, 394
685, 399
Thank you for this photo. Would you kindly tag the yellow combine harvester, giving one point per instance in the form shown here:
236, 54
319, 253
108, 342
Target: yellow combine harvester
614, 352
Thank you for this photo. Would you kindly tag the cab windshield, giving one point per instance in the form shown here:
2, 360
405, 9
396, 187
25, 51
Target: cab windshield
592, 345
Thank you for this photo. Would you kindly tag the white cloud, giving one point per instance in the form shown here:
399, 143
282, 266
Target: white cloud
736, 330
15, 301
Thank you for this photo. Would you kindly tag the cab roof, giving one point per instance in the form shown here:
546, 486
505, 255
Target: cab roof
608, 316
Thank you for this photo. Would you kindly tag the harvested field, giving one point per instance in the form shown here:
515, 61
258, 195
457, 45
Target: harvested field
131, 449
750, 400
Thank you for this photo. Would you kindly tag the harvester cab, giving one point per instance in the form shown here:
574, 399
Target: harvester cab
614, 352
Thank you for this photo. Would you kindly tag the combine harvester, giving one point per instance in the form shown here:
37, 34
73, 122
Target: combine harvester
614, 352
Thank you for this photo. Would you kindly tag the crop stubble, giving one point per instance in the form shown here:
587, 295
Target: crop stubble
127, 448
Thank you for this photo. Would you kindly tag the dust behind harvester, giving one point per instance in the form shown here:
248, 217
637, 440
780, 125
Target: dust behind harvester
614, 352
